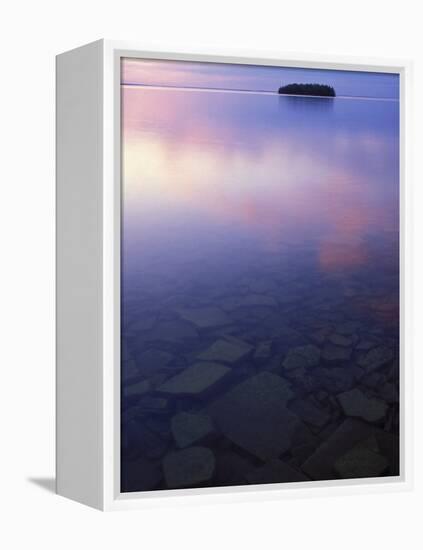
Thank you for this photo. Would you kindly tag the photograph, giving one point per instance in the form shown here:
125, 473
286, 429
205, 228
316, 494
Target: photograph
260, 274
212, 296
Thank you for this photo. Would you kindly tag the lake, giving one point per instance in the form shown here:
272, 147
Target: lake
260, 287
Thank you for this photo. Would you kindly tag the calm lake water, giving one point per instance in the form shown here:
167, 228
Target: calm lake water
261, 236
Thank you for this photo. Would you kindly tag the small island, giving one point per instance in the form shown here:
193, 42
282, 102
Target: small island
321, 90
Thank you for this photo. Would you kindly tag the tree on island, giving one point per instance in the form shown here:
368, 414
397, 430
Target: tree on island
308, 89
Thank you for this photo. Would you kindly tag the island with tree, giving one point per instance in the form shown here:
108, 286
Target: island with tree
321, 90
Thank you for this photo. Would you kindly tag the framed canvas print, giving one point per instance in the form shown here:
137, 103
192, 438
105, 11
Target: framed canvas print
231, 294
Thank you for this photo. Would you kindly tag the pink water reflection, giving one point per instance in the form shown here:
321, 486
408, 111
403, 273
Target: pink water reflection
262, 164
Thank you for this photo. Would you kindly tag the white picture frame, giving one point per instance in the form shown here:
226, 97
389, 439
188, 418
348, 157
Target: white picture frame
88, 279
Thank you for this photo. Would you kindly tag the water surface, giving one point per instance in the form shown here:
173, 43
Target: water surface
270, 223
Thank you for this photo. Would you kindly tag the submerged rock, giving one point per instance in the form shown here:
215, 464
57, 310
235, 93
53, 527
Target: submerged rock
310, 413
231, 468
173, 331
360, 462
140, 475
154, 404
341, 340
365, 345
348, 327
188, 467
137, 438
389, 392
376, 358
254, 415
302, 357
320, 335
205, 317
265, 286
336, 353
227, 350
129, 370
195, 380
263, 351
152, 360
250, 300
335, 380
158, 425
189, 428
282, 332
356, 403
275, 471
258, 300
140, 388
141, 324
373, 380
320, 465
302, 377
304, 444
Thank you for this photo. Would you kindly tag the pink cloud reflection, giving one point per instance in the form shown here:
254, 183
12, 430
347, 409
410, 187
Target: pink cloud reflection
276, 185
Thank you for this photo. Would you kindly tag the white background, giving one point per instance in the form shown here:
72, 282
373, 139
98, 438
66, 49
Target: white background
32, 32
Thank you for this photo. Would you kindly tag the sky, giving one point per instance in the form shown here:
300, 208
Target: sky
255, 78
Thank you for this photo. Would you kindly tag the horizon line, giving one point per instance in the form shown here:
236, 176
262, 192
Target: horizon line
246, 91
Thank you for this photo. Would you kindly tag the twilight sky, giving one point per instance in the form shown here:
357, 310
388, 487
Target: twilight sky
255, 78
